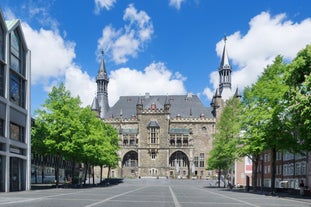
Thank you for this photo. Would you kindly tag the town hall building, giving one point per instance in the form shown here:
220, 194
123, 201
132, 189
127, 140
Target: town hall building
163, 135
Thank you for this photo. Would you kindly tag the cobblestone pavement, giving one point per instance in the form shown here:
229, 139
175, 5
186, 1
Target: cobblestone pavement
148, 192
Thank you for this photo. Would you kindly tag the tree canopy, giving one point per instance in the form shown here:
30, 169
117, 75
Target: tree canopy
224, 153
66, 130
299, 98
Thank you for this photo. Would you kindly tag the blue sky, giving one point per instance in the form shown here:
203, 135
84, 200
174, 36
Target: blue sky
157, 46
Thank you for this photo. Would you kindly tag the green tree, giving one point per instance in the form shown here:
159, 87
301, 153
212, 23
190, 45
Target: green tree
266, 124
38, 147
111, 157
100, 144
227, 135
252, 140
299, 99
67, 131
58, 124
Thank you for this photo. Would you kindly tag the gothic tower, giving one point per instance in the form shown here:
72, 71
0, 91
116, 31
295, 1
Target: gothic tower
102, 81
224, 74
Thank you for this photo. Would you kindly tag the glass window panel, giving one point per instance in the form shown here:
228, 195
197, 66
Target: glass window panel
14, 90
15, 133
17, 90
14, 63
1, 43
1, 127
15, 44
2, 80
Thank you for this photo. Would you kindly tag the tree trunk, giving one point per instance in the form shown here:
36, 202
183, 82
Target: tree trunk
73, 163
57, 164
42, 173
219, 174
101, 173
85, 173
93, 174
108, 174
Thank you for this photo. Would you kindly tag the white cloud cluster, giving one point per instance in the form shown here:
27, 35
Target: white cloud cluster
100, 4
53, 62
126, 42
108, 4
267, 37
51, 54
155, 79
176, 3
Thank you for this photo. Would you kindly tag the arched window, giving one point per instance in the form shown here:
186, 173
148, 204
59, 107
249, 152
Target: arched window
179, 159
130, 159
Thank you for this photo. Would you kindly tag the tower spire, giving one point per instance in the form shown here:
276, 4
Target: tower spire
224, 70
102, 81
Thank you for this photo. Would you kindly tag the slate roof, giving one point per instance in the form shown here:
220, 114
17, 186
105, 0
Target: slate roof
181, 105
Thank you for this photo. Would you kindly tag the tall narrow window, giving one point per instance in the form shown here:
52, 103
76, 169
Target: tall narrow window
125, 140
1, 127
132, 139
153, 154
153, 128
201, 159
153, 135
17, 89
17, 54
185, 140
172, 139
2, 79
2, 45
178, 140
196, 161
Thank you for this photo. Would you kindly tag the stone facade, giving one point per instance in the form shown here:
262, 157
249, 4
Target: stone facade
165, 136
156, 144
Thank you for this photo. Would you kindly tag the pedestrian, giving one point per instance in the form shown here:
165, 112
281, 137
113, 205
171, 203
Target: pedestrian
301, 186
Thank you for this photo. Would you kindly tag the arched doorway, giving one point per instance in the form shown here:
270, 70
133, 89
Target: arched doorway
180, 163
130, 164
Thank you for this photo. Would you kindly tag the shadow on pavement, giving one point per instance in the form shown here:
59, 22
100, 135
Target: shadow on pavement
103, 183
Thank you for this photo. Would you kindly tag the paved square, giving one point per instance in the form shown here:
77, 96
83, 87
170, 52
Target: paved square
148, 192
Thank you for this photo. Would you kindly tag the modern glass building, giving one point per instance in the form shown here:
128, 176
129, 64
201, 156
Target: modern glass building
15, 117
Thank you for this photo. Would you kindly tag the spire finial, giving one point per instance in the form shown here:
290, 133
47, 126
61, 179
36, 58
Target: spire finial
103, 52
225, 38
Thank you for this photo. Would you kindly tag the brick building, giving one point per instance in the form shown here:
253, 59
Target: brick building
291, 168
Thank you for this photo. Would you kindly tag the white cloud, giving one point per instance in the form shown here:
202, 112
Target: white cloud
126, 42
155, 79
80, 84
176, 3
100, 4
51, 54
267, 37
